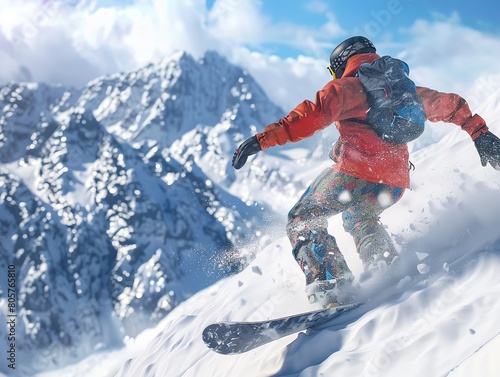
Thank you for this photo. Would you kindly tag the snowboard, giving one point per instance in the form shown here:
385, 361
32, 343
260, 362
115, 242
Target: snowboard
231, 338
375, 287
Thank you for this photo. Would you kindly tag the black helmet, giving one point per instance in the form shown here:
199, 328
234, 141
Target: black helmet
348, 48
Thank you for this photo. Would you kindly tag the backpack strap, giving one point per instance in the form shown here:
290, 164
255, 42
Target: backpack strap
356, 120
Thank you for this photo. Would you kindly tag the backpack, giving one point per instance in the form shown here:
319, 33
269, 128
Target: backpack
396, 113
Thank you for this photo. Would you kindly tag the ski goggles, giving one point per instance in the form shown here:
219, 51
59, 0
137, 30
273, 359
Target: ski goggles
332, 72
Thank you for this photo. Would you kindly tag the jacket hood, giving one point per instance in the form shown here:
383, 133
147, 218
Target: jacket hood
355, 61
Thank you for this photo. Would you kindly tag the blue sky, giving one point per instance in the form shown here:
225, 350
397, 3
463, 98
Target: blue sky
285, 45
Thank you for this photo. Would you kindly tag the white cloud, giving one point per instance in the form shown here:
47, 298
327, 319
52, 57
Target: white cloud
316, 6
286, 81
243, 22
71, 44
452, 57
239, 21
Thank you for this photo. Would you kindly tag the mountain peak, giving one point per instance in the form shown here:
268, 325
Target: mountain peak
179, 57
163, 101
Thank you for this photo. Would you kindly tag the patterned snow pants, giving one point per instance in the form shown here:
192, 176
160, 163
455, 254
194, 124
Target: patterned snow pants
361, 203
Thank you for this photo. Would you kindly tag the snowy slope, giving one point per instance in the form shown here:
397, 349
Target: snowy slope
428, 330
447, 227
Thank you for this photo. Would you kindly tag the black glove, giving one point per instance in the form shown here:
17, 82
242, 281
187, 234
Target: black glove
245, 150
488, 146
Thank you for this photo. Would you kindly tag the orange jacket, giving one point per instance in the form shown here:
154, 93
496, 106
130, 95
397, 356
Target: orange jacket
362, 153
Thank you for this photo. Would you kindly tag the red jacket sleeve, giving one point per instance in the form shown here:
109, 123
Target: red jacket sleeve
451, 108
306, 119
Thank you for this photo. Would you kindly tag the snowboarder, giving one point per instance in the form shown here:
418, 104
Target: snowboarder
369, 175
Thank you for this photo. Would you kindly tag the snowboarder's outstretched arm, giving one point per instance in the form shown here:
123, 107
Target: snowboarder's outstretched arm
451, 108
339, 99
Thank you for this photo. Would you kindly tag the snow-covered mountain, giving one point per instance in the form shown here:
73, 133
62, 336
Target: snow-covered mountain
441, 322
117, 201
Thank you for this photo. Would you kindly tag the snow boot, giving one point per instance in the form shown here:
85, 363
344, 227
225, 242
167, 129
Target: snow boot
331, 293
